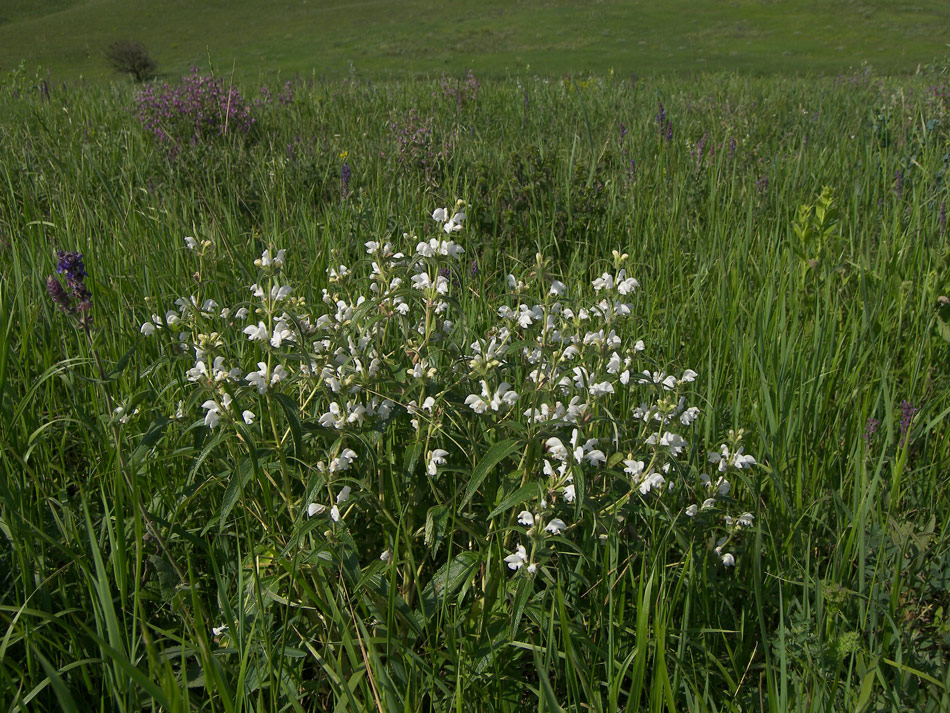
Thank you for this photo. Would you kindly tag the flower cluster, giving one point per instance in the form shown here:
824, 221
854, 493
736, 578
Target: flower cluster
604, 434
75, 298
198, 109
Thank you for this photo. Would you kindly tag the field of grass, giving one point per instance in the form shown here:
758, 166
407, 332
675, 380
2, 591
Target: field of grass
376, 39
161, 549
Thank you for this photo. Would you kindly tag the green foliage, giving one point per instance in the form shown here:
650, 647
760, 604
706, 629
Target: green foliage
493, 37
148, 561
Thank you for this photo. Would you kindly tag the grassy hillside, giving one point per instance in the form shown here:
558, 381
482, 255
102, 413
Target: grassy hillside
383, 38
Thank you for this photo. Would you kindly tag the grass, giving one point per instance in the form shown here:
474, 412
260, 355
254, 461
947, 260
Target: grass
125, 544
420, 37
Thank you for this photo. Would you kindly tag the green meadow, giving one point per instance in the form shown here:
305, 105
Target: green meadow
425, 381
333, 40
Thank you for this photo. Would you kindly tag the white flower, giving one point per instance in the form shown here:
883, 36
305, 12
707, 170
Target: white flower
634, 467
518, 558
745, 519
436, 458
728, 560
215, 630
280, 373
454, 224
421, 281
557, 288
595, 457
651, 481
741, 461
476, 403
148, 329
602, 388
315, 509
343, 495
556, 526
525, 518
570, 493
692, 510
604, 282
556, 448
241, 313
689, 415
385, 556
258, 378
335, 513
248, 417
627, 285
190, 242
674, 442
440, 214
214, 413
258, 333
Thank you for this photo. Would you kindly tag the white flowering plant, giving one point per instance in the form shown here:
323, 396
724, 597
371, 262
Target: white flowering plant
435, 452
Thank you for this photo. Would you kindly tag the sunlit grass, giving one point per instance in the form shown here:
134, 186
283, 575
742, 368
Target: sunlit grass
126, 547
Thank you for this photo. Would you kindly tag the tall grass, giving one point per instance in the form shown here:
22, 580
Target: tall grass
807, 326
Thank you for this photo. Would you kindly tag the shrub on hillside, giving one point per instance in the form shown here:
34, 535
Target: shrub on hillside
131, 58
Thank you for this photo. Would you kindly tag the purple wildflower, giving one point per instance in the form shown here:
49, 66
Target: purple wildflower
907, 416
196, 110
70, 265
58, 294
623, 132
345, 180
870, 428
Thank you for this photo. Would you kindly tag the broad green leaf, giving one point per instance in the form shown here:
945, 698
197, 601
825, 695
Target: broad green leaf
495, 455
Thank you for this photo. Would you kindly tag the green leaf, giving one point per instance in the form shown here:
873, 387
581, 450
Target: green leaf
293, 419
943, 329
496, 454
154, 433
235, 488
448, 580
523, 494
436, 524
167, 578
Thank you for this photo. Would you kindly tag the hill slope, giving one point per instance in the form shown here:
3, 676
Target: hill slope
384, 38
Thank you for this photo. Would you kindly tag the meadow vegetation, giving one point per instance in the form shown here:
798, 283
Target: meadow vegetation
580, 394
334, 39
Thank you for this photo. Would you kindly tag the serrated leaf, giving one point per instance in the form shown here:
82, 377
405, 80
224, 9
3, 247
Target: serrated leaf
495, 455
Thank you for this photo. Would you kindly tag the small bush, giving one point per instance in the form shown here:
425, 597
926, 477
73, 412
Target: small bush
131, 58
196, 111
